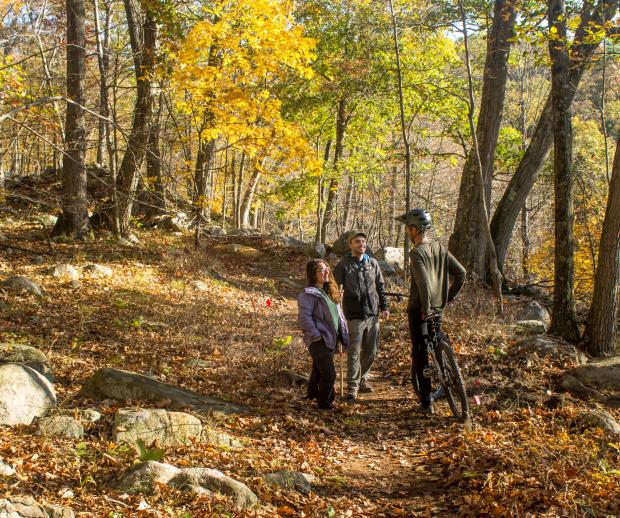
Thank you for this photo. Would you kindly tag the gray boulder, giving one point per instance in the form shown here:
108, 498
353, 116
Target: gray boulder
19, 284
572, 384
237, 249
6, 470
386, 268
209, 435
547, 346
534, 311
391, 254
88, 415
26, 355
123, 385
314, 250
38, 259
602, 374
216, 481
300, 482
98, 269
166, 428
341, 245
27, 507
178, 222
66, 272
530, 327
199, 285
602, 419
332, 259
133, 239
60, 426
143, 478
24, 394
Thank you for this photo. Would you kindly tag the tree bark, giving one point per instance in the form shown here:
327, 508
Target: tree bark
320, 237
248, 197
204, 164
144, 61
403, 130
601, 329
155, 194
469, 240
332, 197
74, 222
563, 319
521, 183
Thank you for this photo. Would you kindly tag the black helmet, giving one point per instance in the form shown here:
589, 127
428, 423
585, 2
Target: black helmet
418, 218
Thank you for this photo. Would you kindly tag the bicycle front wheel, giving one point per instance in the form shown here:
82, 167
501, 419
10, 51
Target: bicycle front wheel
453, 385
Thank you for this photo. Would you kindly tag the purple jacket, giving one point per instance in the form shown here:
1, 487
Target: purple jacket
315, 319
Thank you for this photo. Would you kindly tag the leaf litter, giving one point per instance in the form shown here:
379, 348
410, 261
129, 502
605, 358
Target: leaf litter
524, 450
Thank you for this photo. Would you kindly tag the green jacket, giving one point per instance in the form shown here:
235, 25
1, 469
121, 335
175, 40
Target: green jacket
432, 266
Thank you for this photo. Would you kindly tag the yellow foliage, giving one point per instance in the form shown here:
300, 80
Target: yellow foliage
227, 72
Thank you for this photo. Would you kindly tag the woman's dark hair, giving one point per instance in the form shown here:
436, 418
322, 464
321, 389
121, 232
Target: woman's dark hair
331, 287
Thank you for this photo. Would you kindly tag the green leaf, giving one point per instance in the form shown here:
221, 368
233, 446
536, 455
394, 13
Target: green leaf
145, 453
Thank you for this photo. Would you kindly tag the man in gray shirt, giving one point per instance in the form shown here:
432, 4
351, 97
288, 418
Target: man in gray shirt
362, 301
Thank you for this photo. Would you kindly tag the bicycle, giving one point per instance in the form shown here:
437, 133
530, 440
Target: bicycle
444, 371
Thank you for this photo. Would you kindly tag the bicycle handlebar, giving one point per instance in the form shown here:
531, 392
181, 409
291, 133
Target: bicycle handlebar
394, 294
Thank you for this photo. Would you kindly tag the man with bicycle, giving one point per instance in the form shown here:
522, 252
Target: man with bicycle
432, 266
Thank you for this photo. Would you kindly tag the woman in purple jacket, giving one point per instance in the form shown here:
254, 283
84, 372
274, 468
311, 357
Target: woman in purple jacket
324, 325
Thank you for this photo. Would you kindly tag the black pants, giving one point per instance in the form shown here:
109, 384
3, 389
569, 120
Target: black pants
418, 331
323, 374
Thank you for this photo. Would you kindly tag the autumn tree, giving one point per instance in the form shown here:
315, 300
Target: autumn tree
589, 27
74, 221
564, 322
228, 67
601, 329
469, 240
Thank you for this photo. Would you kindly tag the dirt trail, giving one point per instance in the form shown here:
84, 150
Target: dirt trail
388, 454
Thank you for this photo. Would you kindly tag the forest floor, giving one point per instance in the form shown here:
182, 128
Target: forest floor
525, 450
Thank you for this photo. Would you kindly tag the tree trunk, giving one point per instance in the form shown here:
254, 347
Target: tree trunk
563, 320
525, 244
332, 197
155, 192
520, 185
469, 239
320, 237
495, 275
403, 129
74, 222
239, 182
103, 62
346, 217
144, 62
248, 197
204, 164
600, 335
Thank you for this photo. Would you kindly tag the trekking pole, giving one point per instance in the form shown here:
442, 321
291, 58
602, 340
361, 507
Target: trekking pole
341, 371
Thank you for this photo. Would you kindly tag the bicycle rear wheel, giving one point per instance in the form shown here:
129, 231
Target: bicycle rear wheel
454, 385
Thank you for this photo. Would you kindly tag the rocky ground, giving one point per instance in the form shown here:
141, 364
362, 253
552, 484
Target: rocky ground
179, 333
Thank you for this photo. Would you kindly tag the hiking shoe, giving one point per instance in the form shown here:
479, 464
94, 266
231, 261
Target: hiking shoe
351, 396
365, 387
427, 410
